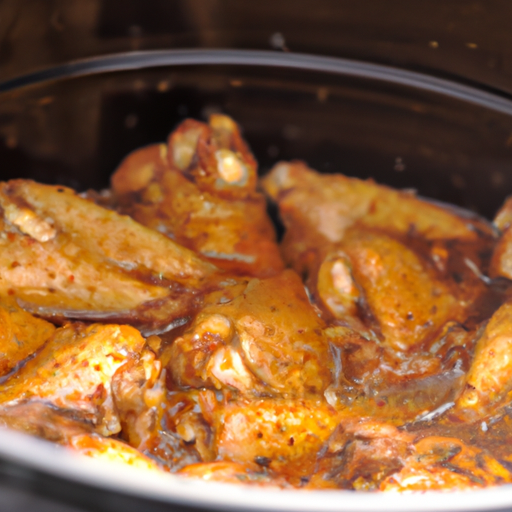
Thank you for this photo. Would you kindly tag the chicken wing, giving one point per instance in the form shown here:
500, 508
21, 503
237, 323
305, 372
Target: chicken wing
365, 454
167, 426
45, 421
401, 292
282, 435
329, 204
266, 340
63, 256
378, 257
360, 454
446, 464
200, 190
111, 451
137, 390
73, 372
489, 380
21, 334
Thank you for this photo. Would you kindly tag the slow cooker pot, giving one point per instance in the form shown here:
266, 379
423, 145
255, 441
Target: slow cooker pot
413, 95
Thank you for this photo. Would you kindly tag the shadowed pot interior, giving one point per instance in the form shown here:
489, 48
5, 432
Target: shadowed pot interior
73, 124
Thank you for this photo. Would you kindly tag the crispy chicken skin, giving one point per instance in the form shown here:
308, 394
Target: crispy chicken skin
63, 256
200, 190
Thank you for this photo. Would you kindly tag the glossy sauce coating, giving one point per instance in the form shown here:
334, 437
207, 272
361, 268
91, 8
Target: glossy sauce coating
162, 325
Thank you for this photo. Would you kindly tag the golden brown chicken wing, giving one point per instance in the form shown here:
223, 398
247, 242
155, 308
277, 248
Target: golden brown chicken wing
266, 340
446, 464
63, 256
329, 204
200, 190
401, 292
489, 380
282, 435
73, 372
378, 257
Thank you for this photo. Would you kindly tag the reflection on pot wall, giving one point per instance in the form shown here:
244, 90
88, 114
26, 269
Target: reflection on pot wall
76, 131
466, 40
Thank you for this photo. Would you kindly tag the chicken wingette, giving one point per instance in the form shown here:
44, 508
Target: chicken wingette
63, 256
199, 189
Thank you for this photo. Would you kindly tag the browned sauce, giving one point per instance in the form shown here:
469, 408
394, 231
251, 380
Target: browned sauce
162, 325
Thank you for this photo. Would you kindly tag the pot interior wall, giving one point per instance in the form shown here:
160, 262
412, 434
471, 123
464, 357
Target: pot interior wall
75, 131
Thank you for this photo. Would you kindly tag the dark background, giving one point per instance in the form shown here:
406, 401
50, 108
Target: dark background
466, 40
